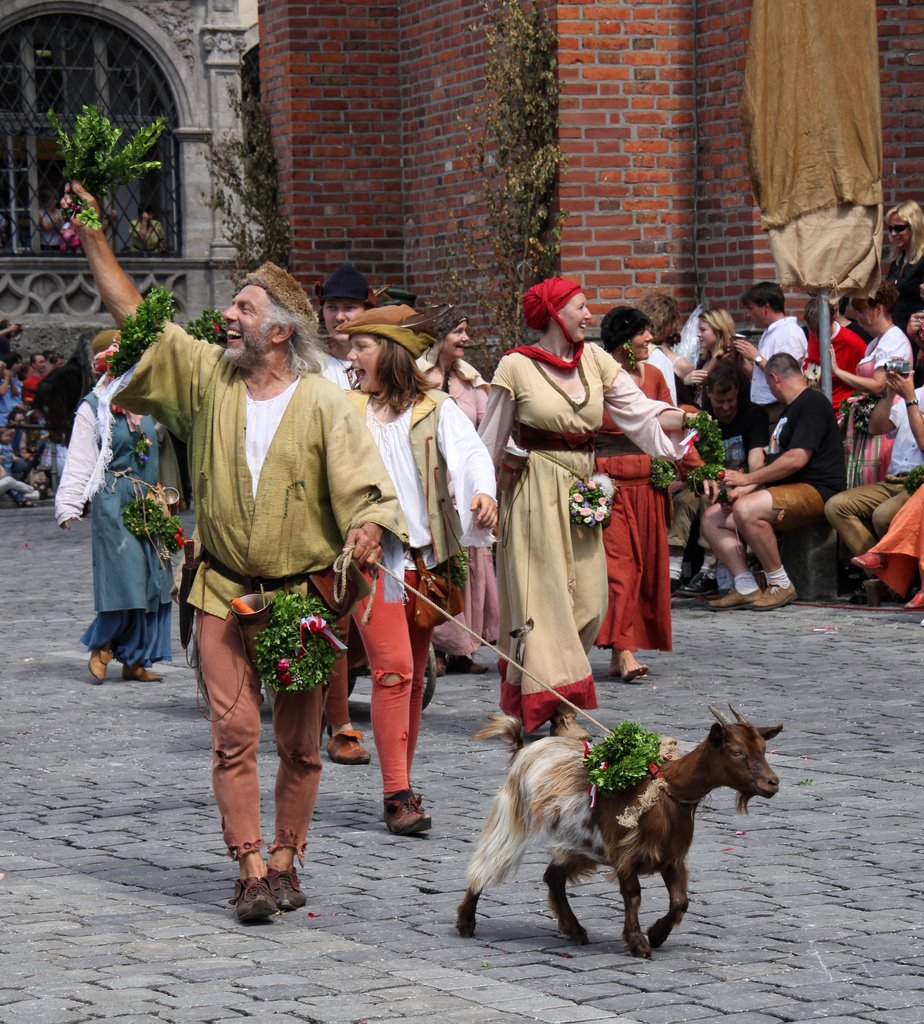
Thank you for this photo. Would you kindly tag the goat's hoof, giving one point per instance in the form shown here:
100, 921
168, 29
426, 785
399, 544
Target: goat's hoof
640, 948
577, 934
465, 928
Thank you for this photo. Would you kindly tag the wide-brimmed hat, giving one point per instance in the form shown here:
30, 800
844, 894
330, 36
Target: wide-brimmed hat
407, 327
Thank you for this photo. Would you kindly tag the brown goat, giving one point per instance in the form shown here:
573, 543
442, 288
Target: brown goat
547, 795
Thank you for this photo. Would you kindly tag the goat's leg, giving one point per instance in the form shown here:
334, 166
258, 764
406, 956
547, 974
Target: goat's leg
675, 878
632, 897
465, 915
556, 877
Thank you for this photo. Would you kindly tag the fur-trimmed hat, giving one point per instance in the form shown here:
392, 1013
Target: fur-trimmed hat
283, 289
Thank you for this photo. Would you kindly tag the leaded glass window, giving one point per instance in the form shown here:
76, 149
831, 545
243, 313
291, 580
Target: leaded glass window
62, 62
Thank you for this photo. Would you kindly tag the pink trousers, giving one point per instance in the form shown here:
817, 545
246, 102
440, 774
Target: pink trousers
233, 689
397, 648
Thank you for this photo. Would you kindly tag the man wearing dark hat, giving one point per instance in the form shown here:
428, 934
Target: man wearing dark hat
285, 475
343, 296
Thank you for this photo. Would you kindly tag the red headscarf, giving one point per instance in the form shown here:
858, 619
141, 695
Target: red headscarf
540, 305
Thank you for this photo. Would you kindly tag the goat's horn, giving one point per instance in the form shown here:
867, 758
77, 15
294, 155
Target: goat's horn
721, 716
737, 714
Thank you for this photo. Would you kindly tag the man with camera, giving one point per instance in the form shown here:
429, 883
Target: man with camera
862, 515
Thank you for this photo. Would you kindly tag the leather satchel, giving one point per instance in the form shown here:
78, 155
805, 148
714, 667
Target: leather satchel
441, 591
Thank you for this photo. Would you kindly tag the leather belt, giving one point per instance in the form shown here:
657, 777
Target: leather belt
253, 583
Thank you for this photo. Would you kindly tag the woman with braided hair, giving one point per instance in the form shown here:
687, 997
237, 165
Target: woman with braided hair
550, 396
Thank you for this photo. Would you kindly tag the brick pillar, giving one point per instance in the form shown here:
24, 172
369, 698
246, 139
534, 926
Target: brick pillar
330, 81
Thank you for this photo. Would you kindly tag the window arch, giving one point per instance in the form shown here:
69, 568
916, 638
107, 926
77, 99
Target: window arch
62, 62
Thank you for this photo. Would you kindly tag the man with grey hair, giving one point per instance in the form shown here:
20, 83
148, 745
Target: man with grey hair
285, 475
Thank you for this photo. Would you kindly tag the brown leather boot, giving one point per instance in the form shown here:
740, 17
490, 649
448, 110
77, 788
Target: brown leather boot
99, 662
139, 672
345, 747
565, 725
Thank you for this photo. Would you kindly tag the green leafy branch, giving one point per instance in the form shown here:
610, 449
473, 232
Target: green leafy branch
91, 156
515, 159
142, 329
711, 449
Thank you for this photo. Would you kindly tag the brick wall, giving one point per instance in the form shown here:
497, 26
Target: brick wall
330, 79
369, 103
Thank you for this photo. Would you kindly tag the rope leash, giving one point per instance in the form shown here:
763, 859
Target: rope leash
341, 565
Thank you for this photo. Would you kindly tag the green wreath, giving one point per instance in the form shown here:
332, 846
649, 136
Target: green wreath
914, 479
141, 330
282, 661
711, 449
625, 757
209, 326
144, 518
662, 474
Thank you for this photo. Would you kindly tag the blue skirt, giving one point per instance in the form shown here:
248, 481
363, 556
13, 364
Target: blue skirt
133, 635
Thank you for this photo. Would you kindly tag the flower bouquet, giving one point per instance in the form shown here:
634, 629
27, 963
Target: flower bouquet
148, 521
590, 501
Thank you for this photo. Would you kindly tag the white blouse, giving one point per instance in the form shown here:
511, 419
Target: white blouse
466, 459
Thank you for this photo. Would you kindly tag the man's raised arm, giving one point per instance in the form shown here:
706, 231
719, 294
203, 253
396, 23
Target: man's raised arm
116, 289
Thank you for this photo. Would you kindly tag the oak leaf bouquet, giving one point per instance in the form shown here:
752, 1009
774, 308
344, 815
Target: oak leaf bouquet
92, 157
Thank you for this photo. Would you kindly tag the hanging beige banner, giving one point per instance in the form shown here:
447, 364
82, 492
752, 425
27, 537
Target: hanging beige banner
810, 113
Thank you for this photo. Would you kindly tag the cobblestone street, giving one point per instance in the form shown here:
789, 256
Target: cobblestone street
114, 895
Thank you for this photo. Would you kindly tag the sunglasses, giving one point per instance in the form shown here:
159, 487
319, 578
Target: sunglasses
897, 229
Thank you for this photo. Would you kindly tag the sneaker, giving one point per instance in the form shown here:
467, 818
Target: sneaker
774, 597
734, 600
253, 899
703, 584
404, 814
286, 890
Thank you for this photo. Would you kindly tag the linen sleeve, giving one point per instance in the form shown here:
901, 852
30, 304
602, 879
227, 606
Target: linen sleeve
637, 416
82, 453
470, 467
497, 423
169, 379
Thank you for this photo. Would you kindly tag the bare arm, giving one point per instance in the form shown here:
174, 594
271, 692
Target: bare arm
789, 462
880, 422
116, 289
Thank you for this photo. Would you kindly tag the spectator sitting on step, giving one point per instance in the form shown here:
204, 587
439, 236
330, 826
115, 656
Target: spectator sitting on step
861, 515
804, 467
746, 434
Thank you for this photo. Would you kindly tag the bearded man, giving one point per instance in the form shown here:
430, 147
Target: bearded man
285, 475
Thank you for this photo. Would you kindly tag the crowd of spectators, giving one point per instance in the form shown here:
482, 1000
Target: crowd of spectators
30, 462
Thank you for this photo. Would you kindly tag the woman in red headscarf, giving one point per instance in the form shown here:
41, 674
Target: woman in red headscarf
550, 398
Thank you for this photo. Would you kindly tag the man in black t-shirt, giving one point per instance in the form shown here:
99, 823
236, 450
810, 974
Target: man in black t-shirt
804, 467
746, 434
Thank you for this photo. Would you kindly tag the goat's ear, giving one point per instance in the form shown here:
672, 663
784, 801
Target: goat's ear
717, 734
769, 731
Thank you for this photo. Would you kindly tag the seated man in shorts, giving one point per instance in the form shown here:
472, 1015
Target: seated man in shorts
804, 467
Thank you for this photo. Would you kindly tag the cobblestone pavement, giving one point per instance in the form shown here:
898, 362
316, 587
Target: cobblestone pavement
113, 905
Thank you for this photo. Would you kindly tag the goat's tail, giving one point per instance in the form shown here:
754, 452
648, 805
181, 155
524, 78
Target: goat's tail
503, 839
507, 727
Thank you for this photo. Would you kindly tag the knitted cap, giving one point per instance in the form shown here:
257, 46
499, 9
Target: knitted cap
283, 289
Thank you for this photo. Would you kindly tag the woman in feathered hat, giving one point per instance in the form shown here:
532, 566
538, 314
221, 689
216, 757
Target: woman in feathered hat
423, 436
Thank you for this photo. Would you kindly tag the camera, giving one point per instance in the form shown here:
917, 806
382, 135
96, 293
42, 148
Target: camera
899, 366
